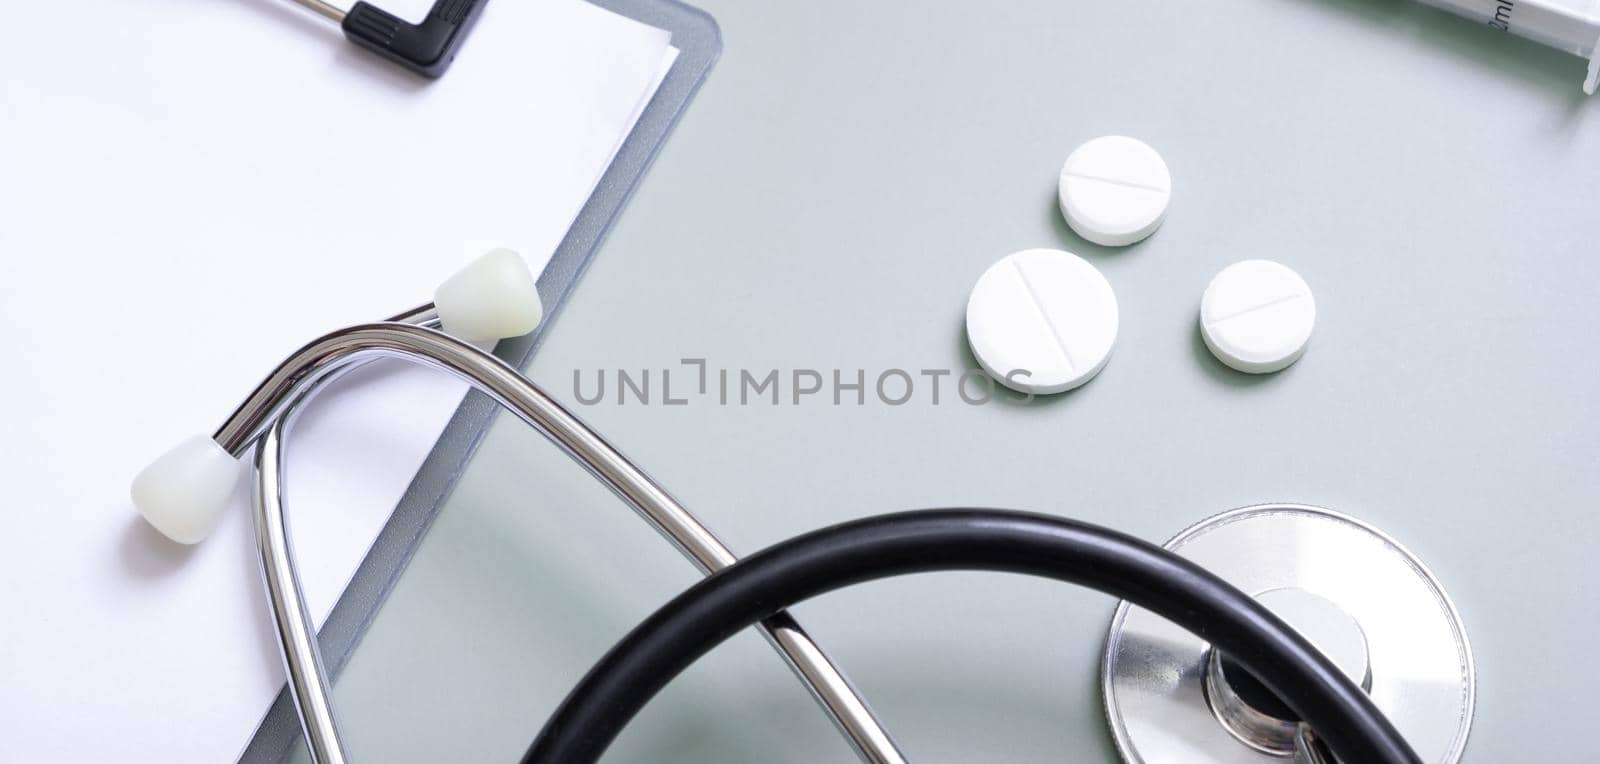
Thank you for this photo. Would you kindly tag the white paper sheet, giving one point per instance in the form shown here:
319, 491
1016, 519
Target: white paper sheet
190, 189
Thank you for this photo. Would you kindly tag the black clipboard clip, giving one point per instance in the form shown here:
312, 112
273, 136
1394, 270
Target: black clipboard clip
426, 48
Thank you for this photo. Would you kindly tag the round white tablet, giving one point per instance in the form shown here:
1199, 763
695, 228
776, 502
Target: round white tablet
1257, 315
1042, 321
1114, 190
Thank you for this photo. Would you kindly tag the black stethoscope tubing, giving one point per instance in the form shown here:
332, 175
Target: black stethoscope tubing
615, 689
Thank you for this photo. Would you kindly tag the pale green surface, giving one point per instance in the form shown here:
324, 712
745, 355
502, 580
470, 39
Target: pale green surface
849, 170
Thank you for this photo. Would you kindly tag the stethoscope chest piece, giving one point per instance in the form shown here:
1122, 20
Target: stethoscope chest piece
1358, 595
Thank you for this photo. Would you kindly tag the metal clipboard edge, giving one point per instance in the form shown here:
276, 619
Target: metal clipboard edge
699, 42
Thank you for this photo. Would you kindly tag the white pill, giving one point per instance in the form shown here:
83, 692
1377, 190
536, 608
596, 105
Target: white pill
1114, 190
1042, 321
1257, 315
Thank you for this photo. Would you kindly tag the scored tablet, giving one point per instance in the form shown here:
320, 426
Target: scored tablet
1114, 190
1042, 321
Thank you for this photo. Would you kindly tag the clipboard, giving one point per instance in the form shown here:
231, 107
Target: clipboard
699, 42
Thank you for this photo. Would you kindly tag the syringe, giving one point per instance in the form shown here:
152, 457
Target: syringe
1571, 25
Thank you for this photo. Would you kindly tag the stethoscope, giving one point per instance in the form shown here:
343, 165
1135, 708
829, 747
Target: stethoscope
1184, 641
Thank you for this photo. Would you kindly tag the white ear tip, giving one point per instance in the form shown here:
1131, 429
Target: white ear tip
493, 298
184, 492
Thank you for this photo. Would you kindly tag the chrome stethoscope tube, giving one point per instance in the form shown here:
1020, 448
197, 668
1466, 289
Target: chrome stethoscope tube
266, 415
